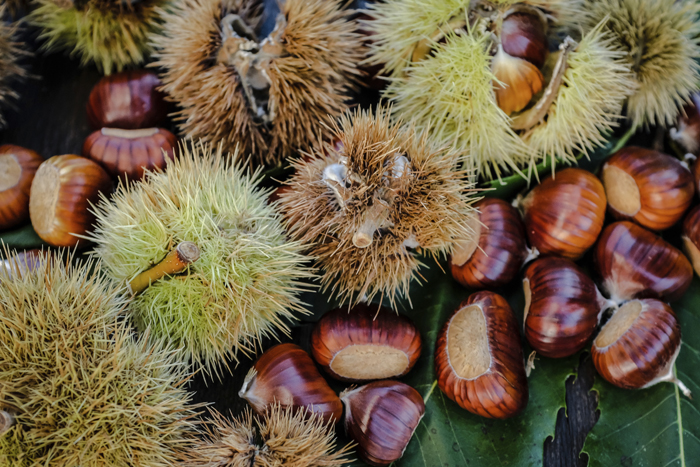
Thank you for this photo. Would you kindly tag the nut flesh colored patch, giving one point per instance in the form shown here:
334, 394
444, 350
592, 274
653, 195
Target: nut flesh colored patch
621, 190
468, 343
620, 322
466, 248
528, 299
692, 251
43, 200
10, 171
129, 134
369, 361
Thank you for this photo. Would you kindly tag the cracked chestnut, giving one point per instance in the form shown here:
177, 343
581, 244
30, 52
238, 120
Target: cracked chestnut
17, 169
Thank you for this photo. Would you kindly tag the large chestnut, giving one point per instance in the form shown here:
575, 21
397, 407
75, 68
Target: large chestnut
63, 192
635, 263
691, 237
479, 358
564, 214
17, 168
286, 374
496, 253
365, 343
646, 186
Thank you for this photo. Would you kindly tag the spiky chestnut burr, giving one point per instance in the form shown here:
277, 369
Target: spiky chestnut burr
10, 70
366, 206
660, 39
266, 95
81, 389
247, 279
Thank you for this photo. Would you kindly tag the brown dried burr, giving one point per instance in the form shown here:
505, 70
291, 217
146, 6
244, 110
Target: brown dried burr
651, 188
17, 168
496, 253
479, 358
130, 152
564, 215
128, 100
286, 374
636, 263
691, 237
562, 307
381, 418
638, 346
365, 343
63, 191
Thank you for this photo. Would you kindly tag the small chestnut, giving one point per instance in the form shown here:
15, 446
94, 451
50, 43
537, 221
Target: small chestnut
286, 374
128, 100
496, 253
130, 152
646, 186
691, 237
524, 35
564, 214
365, 343
381, 418
17, 168
479, 358
63, 191
687, 131
635, 263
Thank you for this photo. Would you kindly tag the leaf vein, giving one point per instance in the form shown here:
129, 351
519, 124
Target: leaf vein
638, 418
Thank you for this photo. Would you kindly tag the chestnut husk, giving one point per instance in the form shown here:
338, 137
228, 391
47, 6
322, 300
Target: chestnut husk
18, 166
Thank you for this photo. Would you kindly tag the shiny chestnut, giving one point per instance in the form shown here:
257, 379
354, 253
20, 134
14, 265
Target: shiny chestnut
496, 253
524, 35
691, 237
128, 100
651, 188
63, 191
130, 152
636, 263
479, 358
365, 343
286, 374
381, 418
687, 130
17, 168
564, 214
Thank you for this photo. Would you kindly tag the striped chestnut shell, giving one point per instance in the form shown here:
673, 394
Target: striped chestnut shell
636, 263
691, 237
479, 358
17, 169
564, 215
365, 343
496, 253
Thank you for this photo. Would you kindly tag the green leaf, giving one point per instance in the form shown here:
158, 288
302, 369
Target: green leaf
22, 239
658, 426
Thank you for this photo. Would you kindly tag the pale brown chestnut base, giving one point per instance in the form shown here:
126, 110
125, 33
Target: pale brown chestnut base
10, 171
621, 190
464, 250
43, 202
693, 253
467, 343
619, 323
368, 361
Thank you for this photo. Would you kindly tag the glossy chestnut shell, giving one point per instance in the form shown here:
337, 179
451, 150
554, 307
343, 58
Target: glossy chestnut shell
365, 343
498, 251
523, 35
479, 358
17, 168
691, 237
687, 131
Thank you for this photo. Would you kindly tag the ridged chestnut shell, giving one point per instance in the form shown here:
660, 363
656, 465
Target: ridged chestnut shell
286, 374
651, 188
479, 358
691, 237
381, 418
17, 168
365, 343
523, 35
564, 215
636, 263
498, 251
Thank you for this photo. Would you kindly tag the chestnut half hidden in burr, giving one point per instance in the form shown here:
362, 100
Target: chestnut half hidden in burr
17, 168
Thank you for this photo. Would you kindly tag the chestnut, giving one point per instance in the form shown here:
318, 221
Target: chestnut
286, 374
635, 263
638, 346
691, 237
381, 418
62, 193
496, 253
365, 343
130, 152
562, 307
687, 130
524, 35
128, 100
651, 188
479, 358
564, 214
17, 168
24, 261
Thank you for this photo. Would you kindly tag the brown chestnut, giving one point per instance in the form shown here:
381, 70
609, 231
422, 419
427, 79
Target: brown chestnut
286, 374
562, 307
17, 168
564, 214
635, 263
496, 253
638, 346
646, 186
687, 131
365, 343
691, 237
479, 358
128, 100
524, 35
63, 191
381, 418
130, 152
